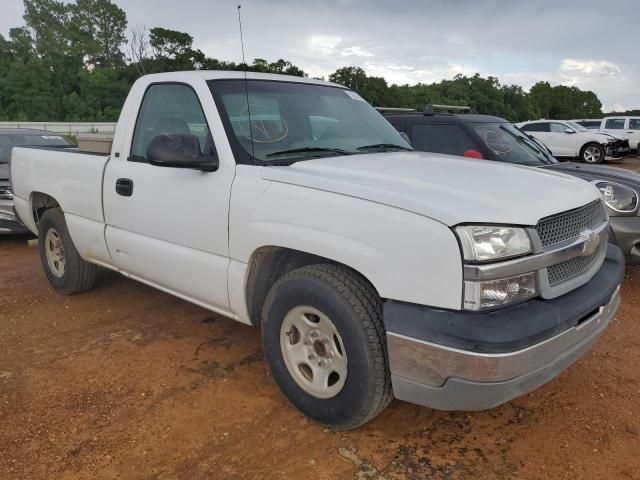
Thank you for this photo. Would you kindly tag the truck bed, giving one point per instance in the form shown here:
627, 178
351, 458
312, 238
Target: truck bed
73, 179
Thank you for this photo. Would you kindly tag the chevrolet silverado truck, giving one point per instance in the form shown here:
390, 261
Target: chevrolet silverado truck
372, 270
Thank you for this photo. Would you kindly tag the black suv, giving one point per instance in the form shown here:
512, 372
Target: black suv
468, 134
494, 138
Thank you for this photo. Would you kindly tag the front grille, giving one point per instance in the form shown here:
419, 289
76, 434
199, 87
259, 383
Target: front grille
571, 268
568, 225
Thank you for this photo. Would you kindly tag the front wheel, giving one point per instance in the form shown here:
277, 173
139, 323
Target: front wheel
65, 269
592, 153
323, 337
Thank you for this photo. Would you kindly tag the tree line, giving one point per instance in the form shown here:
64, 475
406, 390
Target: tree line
76, 62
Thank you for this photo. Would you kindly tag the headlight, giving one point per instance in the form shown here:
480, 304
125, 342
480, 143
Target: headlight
496, 293
618, 197
482, 243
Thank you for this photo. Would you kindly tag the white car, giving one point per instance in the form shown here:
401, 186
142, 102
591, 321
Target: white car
567, 139
628, 127
374, 271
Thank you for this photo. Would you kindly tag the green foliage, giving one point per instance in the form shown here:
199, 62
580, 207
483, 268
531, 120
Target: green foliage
68, 63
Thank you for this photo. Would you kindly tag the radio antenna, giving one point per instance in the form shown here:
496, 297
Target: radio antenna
246, 85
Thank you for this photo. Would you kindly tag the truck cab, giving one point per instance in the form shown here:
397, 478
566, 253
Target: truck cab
373, 270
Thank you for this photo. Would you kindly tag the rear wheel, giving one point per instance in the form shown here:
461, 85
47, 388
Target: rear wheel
323, 337
592, 153
65, 269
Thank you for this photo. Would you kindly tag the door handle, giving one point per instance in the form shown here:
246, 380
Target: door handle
124, 187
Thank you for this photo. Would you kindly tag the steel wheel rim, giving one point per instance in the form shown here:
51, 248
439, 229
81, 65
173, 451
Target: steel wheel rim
592, 154
54, 251
313, 352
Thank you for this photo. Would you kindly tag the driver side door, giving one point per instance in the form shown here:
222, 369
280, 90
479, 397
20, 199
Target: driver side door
168, 226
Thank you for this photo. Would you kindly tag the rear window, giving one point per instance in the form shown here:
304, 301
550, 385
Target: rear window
8, 141
448, 139
508, 144
634, 124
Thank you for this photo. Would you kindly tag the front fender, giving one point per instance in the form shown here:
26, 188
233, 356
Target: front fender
407, 257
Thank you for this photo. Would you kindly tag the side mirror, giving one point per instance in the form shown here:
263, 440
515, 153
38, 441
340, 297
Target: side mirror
405, 137
568, 130
180, 151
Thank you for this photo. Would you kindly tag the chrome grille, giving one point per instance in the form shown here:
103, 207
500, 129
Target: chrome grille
571, 268
568, 225
5, 192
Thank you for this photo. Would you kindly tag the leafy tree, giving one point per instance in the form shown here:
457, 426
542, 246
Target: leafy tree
372, 89
99, 29
67, 63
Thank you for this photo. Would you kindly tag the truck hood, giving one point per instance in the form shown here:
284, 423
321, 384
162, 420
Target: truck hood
609, 135
449, 189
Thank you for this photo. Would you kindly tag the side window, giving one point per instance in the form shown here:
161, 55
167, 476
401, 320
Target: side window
614, 123
559, 127
448, 139
634, 124
169, 109
536, 127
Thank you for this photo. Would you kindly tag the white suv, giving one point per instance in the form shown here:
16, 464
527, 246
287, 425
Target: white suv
568, 139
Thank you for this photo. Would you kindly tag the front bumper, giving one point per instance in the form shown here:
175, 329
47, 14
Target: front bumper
9, 223
470, 361
618, 149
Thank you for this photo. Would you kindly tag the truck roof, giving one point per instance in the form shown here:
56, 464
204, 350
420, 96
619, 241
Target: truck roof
231, 74
419, 117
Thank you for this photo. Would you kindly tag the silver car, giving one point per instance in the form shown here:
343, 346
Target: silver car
14, 137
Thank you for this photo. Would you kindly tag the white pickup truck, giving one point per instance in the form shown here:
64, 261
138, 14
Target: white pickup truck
373, 271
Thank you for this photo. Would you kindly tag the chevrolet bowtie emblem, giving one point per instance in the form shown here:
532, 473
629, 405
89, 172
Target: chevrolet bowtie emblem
591, 242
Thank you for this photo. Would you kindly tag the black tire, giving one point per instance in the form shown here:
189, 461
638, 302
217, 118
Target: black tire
356, 311
586, 157
77, 276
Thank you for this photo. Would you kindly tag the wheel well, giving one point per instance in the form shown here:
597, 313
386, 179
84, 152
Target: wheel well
40, 202
267, 265
593, 142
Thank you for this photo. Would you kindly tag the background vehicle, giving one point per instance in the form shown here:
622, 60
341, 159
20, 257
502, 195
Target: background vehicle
626, 126
373, 270
10, 138
570, 140
495, 138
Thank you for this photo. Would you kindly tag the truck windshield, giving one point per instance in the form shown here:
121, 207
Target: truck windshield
509, 144
285, 122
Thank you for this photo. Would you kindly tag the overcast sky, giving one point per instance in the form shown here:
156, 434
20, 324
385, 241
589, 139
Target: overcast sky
593, 44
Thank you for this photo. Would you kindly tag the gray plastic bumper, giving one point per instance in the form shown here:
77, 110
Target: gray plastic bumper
451, 379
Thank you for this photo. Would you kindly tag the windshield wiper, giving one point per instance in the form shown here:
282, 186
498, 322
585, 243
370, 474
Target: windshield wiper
377, 146
337, 151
